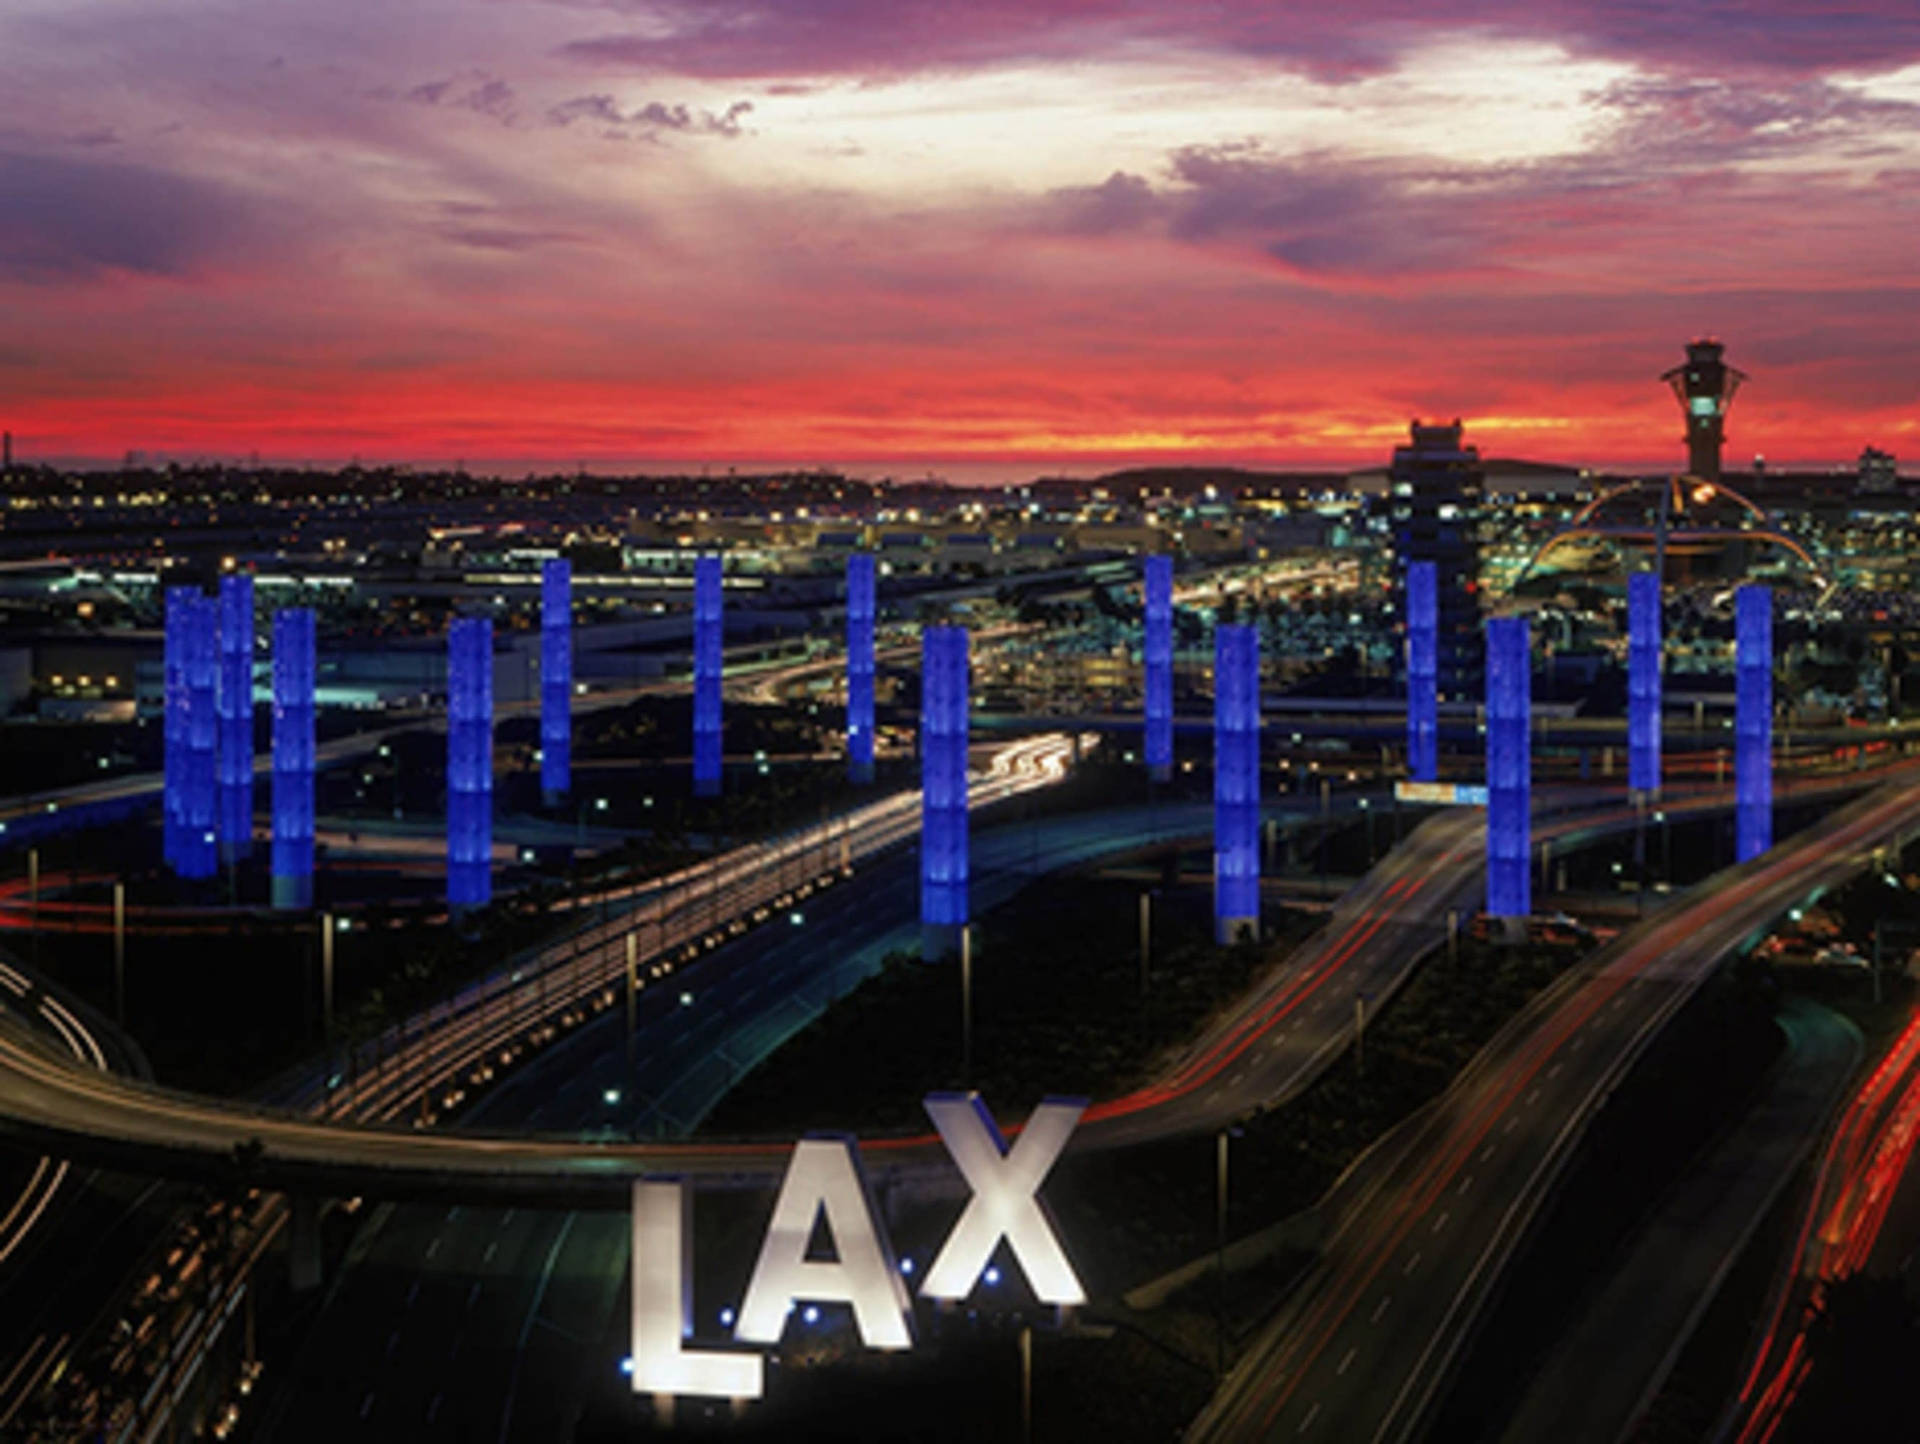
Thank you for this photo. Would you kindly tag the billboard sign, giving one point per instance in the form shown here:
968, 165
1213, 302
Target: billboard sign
1441, 794
823, 1180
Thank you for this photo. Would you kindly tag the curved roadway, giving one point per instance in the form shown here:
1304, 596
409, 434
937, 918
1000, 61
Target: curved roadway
1272, 1045
1365, 1347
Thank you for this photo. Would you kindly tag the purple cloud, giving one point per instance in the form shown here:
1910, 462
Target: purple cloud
767, 39
651, 118
70, 218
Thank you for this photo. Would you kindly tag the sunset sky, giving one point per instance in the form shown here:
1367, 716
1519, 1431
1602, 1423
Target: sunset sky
864, 230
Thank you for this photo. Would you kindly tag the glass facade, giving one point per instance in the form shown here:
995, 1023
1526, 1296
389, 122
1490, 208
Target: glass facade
1643, 682
708, 631
470, 762
1157, 666
556, 677
1509, 768
1423, 672
234, 701
943, 778
1753, 720
293, 685
1236, 781
860, 615
174, 721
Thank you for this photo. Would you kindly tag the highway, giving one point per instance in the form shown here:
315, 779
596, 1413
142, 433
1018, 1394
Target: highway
1274, 1044
1605, 1372
498, 1298
1860, 1216
1365, 1347
429, 1060
64, 1233
413, 1071
361, 1139
111, 796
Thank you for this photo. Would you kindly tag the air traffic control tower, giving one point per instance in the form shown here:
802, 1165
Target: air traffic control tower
1704, 387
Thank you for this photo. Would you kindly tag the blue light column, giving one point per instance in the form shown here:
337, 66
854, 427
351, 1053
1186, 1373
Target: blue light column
1643, 682
556, 679
1423, 671
173, 722
943, 789
199, 848
293, 676
708, 630
1509, 769
1157, 666
234, 701
470, 762
1236, 782
1753, 720
860, 612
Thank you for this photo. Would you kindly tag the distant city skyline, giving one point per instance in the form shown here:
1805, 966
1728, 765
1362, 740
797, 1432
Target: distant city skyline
970, 472
1069, 233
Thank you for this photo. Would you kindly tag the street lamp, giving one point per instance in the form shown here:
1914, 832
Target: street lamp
1220, 1247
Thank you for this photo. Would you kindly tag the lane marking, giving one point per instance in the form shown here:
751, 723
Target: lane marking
1512, 1123
1312, 1414
1347, 1362
366, 1406
1441, 1222
1465, 1184
1412, 1264
1381, 1307
1486, 1153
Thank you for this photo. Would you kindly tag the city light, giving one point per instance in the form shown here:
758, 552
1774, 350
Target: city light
293, 759
1157, 666
1509, 768
943, 781
1643, 682
1423, 671
234, 703
860, 618
708, 633
556, 678
470, 762
1236, 782
1753, 721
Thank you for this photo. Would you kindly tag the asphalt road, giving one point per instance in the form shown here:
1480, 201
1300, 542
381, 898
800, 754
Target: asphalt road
1605, 1372
519, 1291
1366, 1345
457, 1323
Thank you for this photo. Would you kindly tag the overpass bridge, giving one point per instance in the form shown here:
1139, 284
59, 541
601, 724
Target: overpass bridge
367, 1142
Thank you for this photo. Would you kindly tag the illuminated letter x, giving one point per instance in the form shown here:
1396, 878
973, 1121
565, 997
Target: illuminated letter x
1005, 1202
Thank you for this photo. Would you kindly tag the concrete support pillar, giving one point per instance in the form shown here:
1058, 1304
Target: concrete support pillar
304, 1267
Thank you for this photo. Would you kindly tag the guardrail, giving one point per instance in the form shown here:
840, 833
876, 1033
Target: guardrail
425, 1064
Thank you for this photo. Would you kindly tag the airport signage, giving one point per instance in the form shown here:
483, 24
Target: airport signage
1443, 794
824, 1179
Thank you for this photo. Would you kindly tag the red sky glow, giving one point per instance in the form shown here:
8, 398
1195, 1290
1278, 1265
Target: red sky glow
1069, 233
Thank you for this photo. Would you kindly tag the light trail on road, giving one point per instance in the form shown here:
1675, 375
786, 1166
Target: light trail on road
1549, 1071
1867, 1154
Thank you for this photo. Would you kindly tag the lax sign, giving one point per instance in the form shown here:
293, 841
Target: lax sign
823, 1177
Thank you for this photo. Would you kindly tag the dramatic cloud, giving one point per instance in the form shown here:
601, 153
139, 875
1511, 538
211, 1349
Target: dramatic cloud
603, 111
1077, 231
765, 38
69, 218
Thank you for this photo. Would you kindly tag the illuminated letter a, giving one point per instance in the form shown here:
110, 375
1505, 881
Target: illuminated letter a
824, 1176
